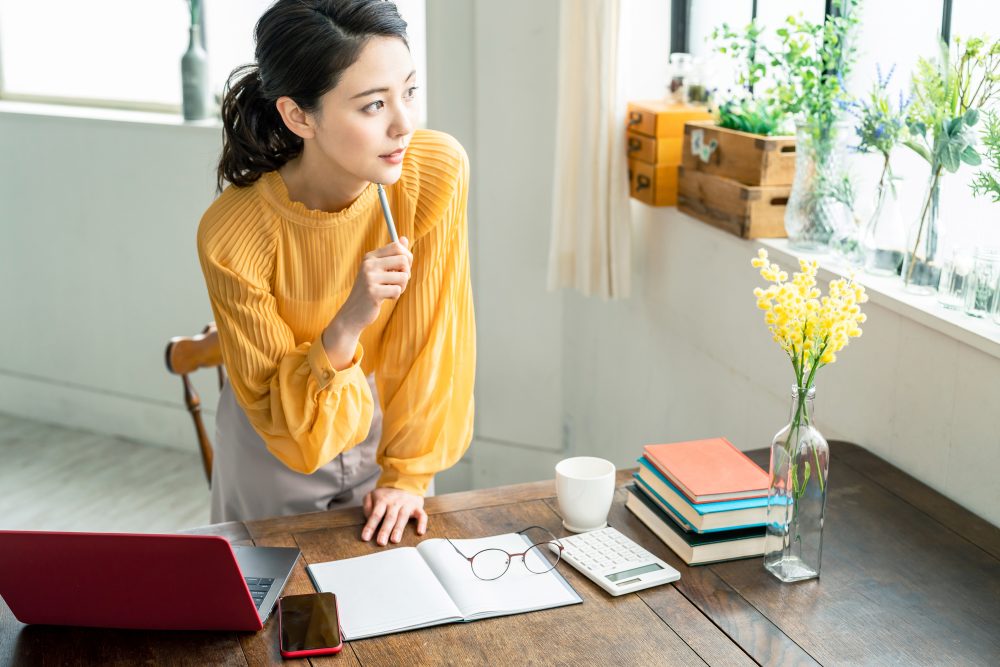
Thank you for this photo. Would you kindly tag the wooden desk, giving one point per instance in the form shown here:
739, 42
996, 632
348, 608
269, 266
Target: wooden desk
908, 577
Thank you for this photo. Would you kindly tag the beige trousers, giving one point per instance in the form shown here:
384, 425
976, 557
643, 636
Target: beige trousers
248, 482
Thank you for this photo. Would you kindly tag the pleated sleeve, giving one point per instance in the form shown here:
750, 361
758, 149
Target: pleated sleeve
426, 370
305, 411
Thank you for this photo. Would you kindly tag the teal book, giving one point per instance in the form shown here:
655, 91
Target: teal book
695, 548
699, 517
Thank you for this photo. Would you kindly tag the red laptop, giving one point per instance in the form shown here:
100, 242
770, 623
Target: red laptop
157, 582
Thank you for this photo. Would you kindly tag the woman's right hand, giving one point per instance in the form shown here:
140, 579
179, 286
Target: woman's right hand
384, 274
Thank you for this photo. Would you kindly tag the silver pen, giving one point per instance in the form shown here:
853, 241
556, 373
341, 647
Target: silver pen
387, 213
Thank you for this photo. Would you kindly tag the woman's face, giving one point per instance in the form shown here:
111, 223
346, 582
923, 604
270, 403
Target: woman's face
365, 122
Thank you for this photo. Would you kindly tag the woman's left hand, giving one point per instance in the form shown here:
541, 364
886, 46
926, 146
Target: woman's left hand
393, 508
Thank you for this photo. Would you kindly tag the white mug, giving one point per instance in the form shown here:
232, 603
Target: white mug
585, 487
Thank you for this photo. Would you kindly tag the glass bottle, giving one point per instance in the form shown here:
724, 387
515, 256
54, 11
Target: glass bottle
819, 205
679, 77
884, 239
796, 499
921, 270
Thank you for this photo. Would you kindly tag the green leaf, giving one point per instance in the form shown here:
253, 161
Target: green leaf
918, 149
950, 157
971, 117
970, 156
953, 126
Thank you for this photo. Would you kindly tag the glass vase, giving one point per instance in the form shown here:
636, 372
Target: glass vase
819, 206
796, 499
921, 270
883, 241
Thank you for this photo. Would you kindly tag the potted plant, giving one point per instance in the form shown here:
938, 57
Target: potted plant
809, 65
947, 95
737, 169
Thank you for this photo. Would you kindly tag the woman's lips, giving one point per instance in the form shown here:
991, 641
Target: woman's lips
394, 157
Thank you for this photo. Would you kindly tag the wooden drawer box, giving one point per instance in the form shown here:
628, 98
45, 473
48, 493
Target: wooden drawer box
748, 211
748, 158
665, 150
656, 118
655, 185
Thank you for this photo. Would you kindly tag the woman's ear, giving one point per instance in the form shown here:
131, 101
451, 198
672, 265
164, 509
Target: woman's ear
296, 120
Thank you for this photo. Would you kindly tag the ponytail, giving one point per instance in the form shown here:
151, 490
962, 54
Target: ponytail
255, 139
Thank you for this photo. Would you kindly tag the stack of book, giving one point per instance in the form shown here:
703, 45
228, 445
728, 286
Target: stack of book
705, 499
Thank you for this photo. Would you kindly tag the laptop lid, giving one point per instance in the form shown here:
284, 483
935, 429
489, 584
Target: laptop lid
118, 580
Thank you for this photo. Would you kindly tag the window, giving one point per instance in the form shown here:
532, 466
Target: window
124, 53
889, 35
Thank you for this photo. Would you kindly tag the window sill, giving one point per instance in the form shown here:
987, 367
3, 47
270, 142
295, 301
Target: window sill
982, 334
103, 115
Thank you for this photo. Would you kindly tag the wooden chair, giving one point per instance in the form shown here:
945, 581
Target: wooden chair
184, 355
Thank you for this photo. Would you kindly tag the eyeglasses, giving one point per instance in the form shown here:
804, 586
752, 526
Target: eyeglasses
492, 563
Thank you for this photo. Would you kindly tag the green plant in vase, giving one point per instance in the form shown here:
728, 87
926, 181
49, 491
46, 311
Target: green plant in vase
881, 126
948, 94
808, 66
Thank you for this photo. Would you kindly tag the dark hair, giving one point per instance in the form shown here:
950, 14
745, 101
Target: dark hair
302, 49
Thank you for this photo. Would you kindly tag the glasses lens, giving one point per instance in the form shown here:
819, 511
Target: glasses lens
542, 557
490, 563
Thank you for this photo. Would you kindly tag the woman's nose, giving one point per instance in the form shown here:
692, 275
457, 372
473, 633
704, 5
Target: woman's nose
402, 123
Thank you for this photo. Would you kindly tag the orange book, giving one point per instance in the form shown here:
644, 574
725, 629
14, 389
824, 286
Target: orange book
709, 470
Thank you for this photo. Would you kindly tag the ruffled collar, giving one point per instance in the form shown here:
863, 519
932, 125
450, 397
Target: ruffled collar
272, 188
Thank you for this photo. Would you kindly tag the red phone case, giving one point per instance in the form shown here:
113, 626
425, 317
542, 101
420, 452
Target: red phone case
328, 650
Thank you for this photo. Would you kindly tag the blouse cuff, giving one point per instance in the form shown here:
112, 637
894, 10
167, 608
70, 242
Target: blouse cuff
324, 372
416, 484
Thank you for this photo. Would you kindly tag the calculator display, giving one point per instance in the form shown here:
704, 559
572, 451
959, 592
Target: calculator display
652, 567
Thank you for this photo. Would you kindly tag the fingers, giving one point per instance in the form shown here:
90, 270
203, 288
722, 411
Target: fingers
387, 525
421, 520
400, 248
367, 504
373, 520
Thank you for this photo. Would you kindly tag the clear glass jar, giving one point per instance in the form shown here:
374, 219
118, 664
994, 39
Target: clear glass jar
796, 499
955, 274
679, 74
883, 241
981, 289
819, 205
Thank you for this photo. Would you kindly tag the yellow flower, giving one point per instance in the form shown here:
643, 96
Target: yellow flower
810, 327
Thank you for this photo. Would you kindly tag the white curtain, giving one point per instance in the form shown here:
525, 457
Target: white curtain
589, 246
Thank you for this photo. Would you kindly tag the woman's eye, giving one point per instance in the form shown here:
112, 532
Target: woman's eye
374, 106
411, 92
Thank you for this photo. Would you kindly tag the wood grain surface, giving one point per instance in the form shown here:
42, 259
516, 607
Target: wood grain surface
908, 577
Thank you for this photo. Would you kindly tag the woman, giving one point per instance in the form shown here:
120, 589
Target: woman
309, 294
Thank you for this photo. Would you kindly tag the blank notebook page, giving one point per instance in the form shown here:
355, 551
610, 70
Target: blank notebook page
384, 591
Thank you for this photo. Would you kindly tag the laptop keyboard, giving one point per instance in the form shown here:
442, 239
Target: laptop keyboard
259, 587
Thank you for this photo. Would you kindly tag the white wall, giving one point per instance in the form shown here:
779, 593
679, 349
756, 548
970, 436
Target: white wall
99, 267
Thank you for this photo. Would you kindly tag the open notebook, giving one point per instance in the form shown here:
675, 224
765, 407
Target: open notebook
408, 588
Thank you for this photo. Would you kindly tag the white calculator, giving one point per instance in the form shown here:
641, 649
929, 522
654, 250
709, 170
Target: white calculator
614, 562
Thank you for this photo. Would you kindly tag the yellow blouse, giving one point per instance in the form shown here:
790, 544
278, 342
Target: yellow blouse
277, 272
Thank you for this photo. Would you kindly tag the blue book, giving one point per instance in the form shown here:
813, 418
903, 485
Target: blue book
700, 517
694, 548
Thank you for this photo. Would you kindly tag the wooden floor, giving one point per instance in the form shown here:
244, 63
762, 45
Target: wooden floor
54, 478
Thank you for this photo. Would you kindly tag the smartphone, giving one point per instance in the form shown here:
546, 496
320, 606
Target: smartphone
309, 625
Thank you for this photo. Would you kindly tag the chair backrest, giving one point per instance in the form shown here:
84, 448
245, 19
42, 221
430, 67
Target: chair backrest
185, 355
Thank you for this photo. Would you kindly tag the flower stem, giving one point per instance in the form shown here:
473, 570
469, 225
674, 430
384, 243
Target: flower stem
920, 229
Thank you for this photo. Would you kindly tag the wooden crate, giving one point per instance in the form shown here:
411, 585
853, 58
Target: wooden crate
748, 158
653, 184
744, 210
656, 118
665, 150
